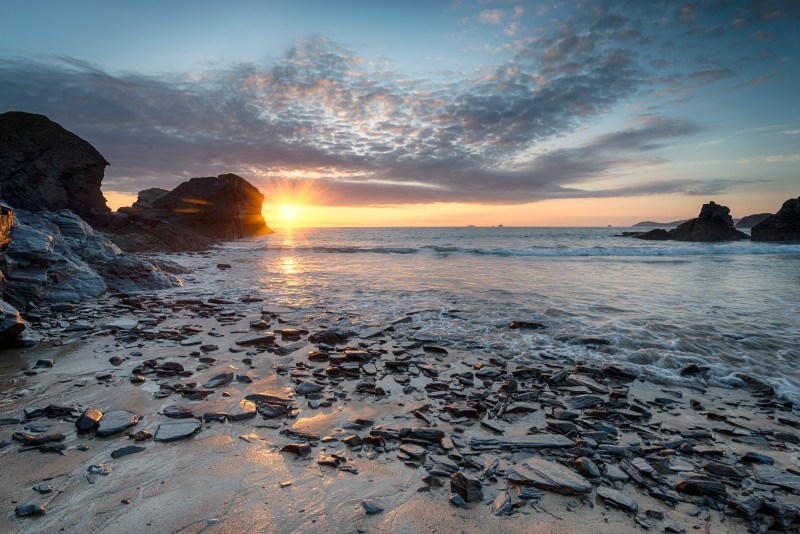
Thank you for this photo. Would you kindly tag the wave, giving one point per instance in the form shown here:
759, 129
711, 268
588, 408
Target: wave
703, 250
544, 252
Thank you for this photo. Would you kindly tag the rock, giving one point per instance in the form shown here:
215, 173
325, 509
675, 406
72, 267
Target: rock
307, 388
29, 510
43, 167
582, 402
30, 439
749, 506
300, 449
242, 410
415, 451
617, 499
215, 416
89, 419
756, 458
467, 487
525, 325
266, 338
502, 504
43, 488
58, 257
271, 411
125, 451
219, 380
534, 441
783, 226
177, 430
769, 474
419, 433
713, 224
268, 397
456, 500
114, 422
142, 435
587, 467
195, 215
702, 487
121, 324
371, 507
550, 476
11, 324
177, 412
749, 221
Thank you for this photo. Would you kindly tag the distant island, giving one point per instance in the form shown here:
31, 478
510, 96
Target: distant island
651, 224
745, 222
751, 220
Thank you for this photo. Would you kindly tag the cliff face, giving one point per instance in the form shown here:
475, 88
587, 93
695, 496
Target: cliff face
783, 226
43, 167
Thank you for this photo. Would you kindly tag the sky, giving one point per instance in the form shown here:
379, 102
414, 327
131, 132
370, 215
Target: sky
426, 113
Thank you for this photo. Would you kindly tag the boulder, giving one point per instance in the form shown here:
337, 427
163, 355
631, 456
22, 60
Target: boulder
193, 216
43, 167
713, 224
783, 226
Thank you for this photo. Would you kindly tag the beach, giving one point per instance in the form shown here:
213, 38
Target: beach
356, 424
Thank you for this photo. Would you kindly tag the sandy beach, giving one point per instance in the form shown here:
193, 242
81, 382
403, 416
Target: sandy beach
351, 410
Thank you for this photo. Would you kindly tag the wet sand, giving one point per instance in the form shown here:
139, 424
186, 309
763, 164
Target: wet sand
232, 477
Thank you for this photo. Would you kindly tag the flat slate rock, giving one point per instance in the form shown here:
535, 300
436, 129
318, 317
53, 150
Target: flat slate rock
178, 429
242, 410
775, 476
535, 441
219, 380
267, 397
125, 451
550, 476
307, 388
114, 422
267, 338
617, 499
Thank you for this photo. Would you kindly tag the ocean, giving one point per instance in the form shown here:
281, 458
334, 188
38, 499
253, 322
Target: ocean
661, 305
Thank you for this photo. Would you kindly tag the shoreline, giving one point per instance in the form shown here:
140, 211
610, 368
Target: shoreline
645, 439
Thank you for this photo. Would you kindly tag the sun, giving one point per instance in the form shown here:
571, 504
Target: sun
288, 213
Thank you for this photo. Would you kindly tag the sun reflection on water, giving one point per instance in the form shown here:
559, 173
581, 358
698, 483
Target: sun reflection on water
289, 266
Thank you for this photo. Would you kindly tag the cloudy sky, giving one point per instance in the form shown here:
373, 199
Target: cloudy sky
424, 112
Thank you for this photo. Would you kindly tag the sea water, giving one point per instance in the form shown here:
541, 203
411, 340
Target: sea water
733, 307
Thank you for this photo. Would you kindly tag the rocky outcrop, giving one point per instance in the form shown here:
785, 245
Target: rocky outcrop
751, 220
713, 224
11, 323
43, 167
193, 216
783, 226
57, 257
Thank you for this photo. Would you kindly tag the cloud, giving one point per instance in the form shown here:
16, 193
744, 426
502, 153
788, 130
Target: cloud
366, 135
492, 16
778, 158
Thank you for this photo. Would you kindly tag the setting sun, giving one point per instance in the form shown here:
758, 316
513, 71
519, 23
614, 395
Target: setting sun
288, 213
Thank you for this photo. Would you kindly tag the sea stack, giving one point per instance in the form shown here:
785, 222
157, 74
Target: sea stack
713, 224
783, 226
193, 216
